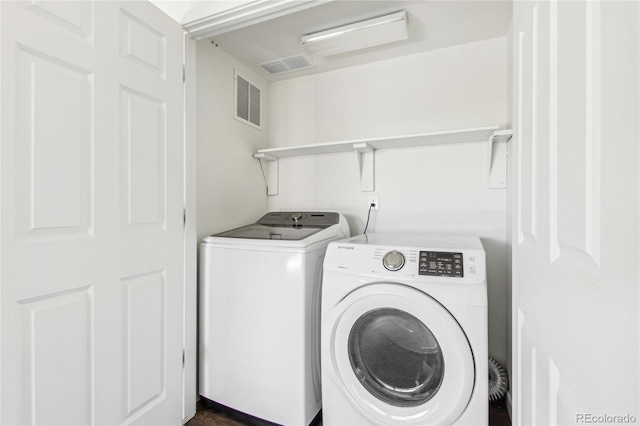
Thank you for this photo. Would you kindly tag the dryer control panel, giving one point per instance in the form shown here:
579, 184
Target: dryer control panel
459, 260
440, 264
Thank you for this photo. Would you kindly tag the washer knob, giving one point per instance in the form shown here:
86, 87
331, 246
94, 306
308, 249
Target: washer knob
393, 260
296, 217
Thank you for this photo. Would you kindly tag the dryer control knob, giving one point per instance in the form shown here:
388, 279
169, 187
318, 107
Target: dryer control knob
393, 260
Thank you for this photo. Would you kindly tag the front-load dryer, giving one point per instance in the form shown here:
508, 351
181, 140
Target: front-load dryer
404, 331
260, 315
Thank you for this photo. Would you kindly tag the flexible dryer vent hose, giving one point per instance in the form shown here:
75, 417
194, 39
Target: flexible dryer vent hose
498, 381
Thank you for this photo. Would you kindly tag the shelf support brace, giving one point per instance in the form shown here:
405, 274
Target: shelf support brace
366, 165
272, 171
497, 159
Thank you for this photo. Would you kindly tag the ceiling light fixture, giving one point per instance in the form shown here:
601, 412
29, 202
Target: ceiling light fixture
359, 35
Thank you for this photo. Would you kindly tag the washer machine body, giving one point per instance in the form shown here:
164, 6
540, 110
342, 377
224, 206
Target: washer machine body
404, 331
260, 315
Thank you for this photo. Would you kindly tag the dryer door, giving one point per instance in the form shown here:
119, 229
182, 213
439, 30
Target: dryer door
400, 357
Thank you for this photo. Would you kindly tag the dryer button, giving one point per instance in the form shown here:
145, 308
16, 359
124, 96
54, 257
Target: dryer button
393, 260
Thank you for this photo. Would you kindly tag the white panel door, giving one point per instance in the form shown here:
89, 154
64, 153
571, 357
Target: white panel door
91, 214
576, 229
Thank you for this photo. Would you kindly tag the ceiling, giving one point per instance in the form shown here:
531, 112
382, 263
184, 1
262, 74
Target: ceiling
431, 25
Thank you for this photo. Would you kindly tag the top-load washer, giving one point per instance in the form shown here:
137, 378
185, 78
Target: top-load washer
260, 315
404, 331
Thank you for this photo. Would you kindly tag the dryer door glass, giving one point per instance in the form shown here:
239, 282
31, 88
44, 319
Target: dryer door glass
396, 357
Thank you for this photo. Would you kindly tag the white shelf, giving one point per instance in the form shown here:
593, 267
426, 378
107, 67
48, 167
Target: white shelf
420, 139
365, 149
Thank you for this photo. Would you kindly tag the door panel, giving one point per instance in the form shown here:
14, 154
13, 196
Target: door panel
575, 162
92, 186
53, 325
54, 182
143, 151
145, 326
575, 295
73, 16
142, 44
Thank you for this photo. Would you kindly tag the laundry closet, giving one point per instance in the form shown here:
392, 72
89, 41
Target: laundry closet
558, 74
441, 187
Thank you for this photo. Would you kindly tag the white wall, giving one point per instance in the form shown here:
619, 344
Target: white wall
435, 188
231, 190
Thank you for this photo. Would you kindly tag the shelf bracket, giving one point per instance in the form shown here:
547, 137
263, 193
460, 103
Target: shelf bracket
272, 171
366, 165
497, 158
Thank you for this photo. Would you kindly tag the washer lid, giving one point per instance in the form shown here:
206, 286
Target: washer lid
289, 226
399, 356
264, 232
300, 219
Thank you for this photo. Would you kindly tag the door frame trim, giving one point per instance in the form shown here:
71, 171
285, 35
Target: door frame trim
190, 290
251, 13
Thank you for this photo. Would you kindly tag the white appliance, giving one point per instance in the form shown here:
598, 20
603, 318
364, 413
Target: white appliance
404, 331
260, 315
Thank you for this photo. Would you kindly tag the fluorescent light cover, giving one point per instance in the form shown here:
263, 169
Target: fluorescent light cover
373, 32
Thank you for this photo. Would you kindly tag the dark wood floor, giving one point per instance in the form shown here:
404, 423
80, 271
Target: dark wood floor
498, 416
208, 417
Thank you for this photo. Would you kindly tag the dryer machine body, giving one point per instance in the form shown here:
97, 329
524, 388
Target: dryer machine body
404, 331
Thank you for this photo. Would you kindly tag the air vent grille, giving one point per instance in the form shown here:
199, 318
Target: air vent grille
274, 67
288, 64
247, 105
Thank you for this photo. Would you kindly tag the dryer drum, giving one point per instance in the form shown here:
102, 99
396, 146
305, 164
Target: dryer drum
498, 381
396, 357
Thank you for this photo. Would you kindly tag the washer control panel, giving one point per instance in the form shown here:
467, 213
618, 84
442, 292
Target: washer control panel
441, 264
393, 260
